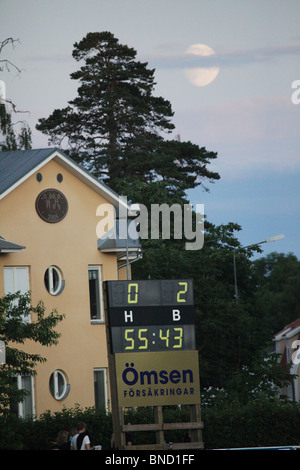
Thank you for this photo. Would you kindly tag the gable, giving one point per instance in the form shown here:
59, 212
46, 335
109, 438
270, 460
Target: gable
17, 166
20, 190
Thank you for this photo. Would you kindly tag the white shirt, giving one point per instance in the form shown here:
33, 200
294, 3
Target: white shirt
73, 441
86, 440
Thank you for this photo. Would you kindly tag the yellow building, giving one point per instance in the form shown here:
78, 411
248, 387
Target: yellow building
49, 245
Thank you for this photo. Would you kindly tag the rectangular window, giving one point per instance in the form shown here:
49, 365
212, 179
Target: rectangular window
16, 278
95, 291
100, 389
24, 409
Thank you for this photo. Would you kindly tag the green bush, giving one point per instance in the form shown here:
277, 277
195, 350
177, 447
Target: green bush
259, 423
40, 434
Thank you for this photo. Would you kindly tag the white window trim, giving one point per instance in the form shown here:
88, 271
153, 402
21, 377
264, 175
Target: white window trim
15, 268
16, 288
103, 369
66, 387
99, 269
21, 404
61, 282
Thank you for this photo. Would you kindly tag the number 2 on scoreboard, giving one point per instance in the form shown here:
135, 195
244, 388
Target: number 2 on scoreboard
182, 291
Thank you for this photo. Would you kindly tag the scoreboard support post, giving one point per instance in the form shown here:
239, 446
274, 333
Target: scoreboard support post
118, 439
194, 426
145, 352
158, 418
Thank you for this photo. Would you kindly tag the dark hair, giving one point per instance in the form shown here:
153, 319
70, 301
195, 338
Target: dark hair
81, 425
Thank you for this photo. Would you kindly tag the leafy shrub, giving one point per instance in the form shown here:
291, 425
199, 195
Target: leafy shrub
40, 434
258, 423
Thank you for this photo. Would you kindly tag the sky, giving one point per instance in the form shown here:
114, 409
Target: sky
248, 113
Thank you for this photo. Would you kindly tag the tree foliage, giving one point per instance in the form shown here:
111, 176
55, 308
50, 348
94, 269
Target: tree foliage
16, 330
13, 135
277, 277
117, 129
116, 126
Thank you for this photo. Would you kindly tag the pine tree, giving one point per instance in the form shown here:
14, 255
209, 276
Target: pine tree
9, 139
117, 128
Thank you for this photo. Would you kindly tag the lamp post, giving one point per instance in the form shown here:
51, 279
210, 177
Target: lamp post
2, 353
267, 240
132, 212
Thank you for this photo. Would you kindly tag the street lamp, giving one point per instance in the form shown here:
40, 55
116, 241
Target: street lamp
132, 212
267, 240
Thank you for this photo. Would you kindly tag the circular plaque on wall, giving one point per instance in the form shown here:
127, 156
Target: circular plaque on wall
51, 205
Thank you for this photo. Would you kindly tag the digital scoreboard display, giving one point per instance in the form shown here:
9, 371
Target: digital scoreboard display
150, 315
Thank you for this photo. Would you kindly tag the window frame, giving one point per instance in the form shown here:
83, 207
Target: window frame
66, 386
15, 287
21, 405
97, 268
50, 287
104, 371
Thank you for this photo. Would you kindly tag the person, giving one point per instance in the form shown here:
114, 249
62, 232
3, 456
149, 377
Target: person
73, 439
62, 440
81, 441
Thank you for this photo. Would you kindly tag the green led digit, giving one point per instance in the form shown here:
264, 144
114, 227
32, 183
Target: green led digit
165, 338
128, 339
143, 339
181, 292
179, 338
133, 290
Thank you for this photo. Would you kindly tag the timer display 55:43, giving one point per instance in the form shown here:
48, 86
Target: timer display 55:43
153, 338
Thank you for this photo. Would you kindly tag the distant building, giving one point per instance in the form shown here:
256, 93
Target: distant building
48, 245
287, 343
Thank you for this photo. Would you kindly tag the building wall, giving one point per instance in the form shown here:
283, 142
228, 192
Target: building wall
70, 244
286, 346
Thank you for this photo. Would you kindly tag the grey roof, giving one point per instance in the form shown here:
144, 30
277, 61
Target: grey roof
9, 247
14, 165
115, 239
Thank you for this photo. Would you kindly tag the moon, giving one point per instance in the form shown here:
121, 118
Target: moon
200, 76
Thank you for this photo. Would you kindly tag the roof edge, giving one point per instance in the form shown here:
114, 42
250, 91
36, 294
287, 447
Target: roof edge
30, 172
89, 179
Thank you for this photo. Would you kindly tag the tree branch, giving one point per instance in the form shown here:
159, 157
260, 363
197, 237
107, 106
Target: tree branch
6, 61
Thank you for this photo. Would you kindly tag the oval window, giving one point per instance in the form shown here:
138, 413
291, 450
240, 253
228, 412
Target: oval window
58, 384
54, 280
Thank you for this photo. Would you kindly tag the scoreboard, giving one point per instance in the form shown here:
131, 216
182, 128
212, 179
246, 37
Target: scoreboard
152, 356
150, 315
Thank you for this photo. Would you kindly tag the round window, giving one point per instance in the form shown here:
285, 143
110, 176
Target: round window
54, 280
58, 384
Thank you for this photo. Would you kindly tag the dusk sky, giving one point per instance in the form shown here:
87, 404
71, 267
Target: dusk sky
226, 66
